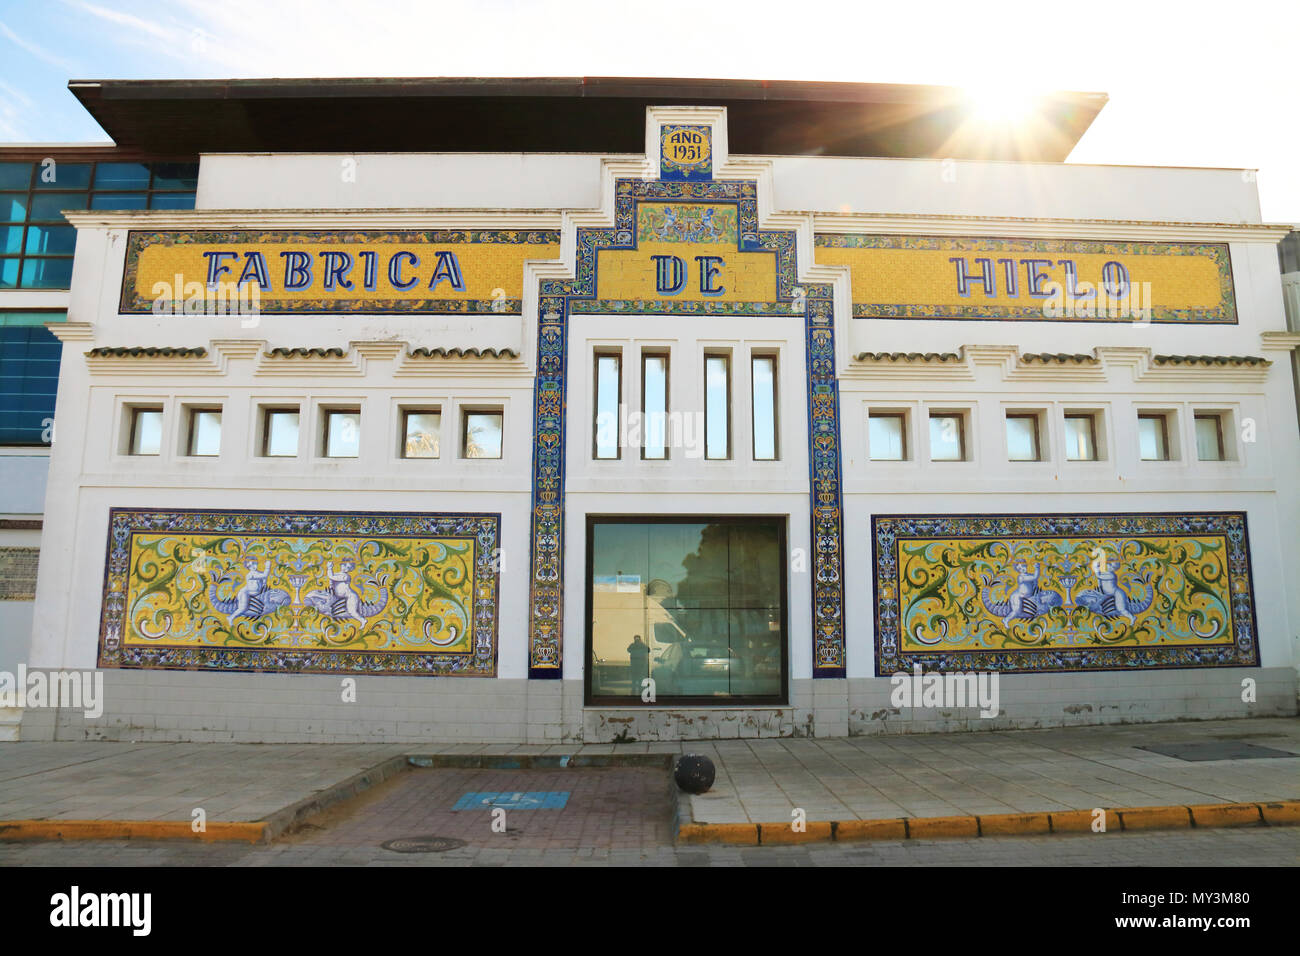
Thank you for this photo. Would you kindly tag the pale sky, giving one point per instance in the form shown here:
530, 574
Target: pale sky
1190, 83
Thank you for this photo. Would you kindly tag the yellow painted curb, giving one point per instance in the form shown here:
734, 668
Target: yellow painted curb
1080, 821
129, 830
783, 833
1281, 813
998, 824
746, 833
894, 829
1226, 814
1155, 818
924, 828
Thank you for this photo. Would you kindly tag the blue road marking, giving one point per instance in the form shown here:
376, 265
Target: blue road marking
514, 800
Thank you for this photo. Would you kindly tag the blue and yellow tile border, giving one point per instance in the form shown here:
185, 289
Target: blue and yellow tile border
1029, 593
561, 298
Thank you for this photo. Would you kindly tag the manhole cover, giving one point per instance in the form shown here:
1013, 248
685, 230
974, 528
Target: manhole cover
1221, 750
423, 844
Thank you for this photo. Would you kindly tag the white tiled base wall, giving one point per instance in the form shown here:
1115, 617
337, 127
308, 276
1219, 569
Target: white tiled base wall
284, 708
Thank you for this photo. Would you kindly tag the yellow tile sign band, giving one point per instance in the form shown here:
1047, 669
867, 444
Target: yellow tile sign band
943, 277
686, 252
432, 271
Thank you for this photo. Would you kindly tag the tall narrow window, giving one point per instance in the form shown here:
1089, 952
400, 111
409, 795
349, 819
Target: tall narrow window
205, 432
421, 429
764, 383
482, 434
886, 437
1022, 438
717, 406
1153, 437
1209, 437
654, 404
146, 431
947, 441
342, 433
608, 390
1080, 438
280, 433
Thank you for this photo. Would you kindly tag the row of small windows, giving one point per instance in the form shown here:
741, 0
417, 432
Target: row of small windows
657, 423
888, 441
36, 242
280, 427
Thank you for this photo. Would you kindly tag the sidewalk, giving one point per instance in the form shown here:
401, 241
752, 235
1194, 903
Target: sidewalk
258, 790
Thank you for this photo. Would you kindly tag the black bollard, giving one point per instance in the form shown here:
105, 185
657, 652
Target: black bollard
695, 773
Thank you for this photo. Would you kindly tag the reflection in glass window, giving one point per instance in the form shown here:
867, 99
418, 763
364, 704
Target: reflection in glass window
15, 175
56, 175
946, 440
654, 402
146, 431
1022, 437
886, 438
342, 433
205, 432
482, 435
51, 240
608, 382
696, 605
764, 379
1153, 438
717, 406
281, 439
421, 434
121, 176
1209, 438
1080, 438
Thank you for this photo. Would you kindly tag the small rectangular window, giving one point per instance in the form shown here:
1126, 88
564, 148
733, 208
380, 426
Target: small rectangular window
947, 440
717, 406
1209, 437
280, 433
482, 434
886, 437
1022, 438
421, 430
146, 431
342, 433
205, 432
1080, 438
654, 405
609, 388
763, 368
1153, 437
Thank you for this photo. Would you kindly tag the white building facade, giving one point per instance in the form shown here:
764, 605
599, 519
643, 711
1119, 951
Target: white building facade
557, 447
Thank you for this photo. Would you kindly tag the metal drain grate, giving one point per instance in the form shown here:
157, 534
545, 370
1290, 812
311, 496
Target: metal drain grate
423, 844
1219, 750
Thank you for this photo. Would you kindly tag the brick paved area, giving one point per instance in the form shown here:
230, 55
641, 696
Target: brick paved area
617, 809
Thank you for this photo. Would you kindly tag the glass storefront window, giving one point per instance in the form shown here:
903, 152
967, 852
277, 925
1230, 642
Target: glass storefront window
696, 605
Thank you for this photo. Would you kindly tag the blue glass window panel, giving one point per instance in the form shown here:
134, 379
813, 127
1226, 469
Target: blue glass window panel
15, 175
47, 273
175, 175
13, 208
8, 273
121, 176
51, 240
172, 201
50, 206
11, 239
119, 201
29, 378
62, 176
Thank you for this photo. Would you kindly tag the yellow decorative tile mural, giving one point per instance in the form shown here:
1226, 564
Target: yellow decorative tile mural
362, 586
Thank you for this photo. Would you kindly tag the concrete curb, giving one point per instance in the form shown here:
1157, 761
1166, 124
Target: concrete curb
1118, 819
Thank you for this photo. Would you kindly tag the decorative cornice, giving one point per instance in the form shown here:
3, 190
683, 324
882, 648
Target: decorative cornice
146, 351
1233, 360
456, 352
1029, 228
1279, 341
317, 219
72, 331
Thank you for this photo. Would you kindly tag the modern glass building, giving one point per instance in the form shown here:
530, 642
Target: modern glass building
596, 409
